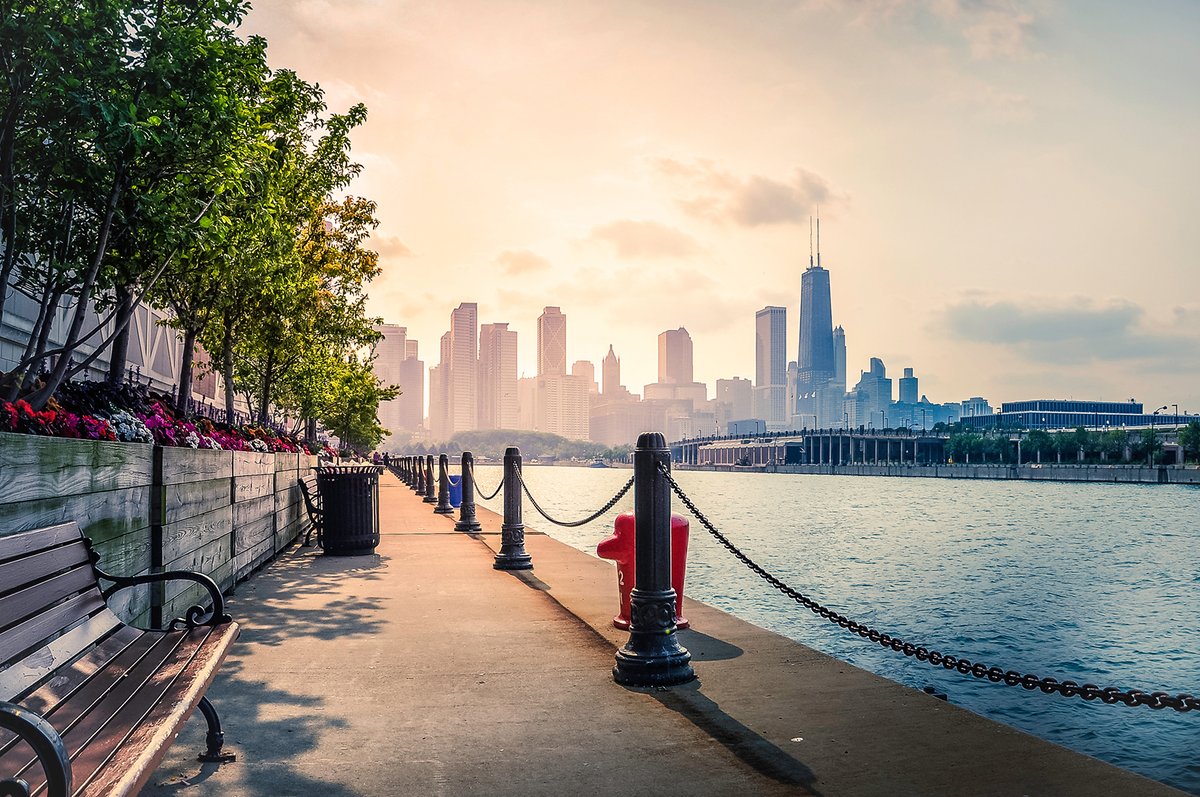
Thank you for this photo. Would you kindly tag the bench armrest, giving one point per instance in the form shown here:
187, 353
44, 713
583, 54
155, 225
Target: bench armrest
195, 615
48, 745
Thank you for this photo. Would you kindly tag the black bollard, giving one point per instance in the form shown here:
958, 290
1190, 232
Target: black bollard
466, 510
443, 499
512, 554
418, 477
653, 655
430, 498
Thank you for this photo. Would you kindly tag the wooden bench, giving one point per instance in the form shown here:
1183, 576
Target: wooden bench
88, 704
312, 503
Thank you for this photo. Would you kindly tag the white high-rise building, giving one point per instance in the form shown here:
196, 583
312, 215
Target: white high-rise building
497, 377
464, 368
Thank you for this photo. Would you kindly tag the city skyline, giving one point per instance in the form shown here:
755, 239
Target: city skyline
1004, 204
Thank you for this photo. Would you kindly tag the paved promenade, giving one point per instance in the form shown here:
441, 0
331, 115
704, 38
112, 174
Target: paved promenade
422, 671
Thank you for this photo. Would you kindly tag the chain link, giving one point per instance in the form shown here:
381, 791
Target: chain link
480, 490
576, 523
1110, 695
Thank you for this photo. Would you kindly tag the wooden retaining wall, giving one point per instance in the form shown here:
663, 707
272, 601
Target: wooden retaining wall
222, 513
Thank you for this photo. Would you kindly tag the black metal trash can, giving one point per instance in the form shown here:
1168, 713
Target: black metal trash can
350, 506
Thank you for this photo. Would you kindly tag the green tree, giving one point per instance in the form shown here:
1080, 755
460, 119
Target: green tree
1038, 445
1189, 439
353, 403
1112, 445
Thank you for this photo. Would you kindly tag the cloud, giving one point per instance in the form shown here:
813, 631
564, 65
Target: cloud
992, 29
1077, 332
521, 261
722, 197
390, 246
632, 239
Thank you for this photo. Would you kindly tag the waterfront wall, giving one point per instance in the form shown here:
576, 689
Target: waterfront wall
222, 513
1137, 474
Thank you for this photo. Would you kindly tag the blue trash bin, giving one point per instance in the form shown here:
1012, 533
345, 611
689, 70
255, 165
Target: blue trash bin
456, 491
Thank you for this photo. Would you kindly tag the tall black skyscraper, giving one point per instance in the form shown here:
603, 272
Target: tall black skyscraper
816, 359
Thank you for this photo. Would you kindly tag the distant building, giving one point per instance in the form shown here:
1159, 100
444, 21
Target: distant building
497, 377
1066, 414
770, 371
908, 387
976, 406
737, 395
586, 370
462, 379
868, 403
611, 371
675, 357
552, 342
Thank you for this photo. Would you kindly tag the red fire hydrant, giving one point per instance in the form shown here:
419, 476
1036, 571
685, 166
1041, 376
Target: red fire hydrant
620, 549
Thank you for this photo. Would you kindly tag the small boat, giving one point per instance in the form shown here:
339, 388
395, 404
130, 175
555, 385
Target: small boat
598, 463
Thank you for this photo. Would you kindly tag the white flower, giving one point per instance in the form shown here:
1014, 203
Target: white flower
130, 429
193, 440
208, 442
259, 445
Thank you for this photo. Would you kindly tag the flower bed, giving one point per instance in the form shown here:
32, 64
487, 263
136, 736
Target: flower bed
84, 413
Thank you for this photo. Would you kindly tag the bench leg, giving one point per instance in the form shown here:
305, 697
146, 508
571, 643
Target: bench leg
216, 737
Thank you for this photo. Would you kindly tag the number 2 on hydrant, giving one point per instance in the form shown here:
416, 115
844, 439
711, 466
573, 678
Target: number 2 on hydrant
619, 548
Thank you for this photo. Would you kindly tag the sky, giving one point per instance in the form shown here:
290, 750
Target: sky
1007, 190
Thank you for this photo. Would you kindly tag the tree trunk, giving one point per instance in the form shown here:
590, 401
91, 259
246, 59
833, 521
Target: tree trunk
43, 338
38, 399
265, 398
185, 371
227, 371
119, 355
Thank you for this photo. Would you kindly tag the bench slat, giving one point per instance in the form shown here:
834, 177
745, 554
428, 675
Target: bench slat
134, 762
83, 715
42, 596
29, 672
18, 573
27, 542
41, 627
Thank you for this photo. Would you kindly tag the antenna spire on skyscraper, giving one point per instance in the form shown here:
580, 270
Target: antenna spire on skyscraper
818, 237
810, 242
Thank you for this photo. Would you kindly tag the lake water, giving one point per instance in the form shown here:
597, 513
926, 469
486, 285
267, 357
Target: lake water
1096, 583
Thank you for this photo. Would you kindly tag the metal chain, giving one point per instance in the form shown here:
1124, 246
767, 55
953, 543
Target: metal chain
574, 524
480, 490
1110, 695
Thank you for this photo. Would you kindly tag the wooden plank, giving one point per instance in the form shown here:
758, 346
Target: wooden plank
28, 569
46, 467
101, 515
43, 662
126, 555
285, 461
246, 488
39, 629
28, 542
207, 559
252, 533
44, 594
250, 511
141, 752
246, 562
252, 463
182, 501
182, 465
184, 536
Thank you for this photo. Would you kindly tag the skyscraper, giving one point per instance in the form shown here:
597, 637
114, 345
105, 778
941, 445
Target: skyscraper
770, 365
464, 369
497, 377
675, 357
611, 373
839, 356
908, 387
818, 395
552, 343
586, 370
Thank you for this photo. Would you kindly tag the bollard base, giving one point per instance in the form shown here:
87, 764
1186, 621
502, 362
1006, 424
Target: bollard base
447, 510
470, 525
633, 669
518, 562
429, 499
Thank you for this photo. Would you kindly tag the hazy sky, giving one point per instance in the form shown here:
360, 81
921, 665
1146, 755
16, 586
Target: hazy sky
1009, 191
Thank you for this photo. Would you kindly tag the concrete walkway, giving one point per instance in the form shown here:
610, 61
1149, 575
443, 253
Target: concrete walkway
422, 671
